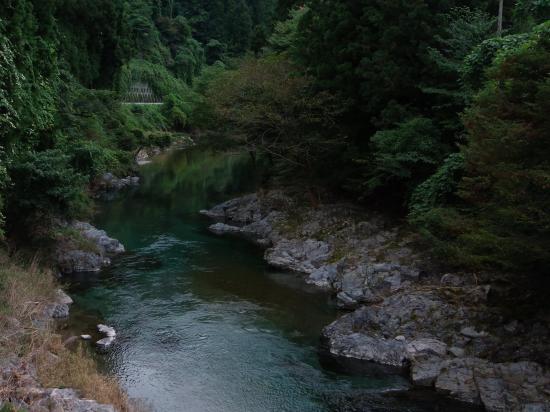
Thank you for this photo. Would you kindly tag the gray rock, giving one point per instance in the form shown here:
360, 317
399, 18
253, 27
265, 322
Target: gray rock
343, 339
299, 255
450, 279
497, 386
375, 349
223, 229
426, 369
59, 307
457, 380
426, 346
69, 400
535, 407
457, 352
72, 259
20, 386
323, 276
344, 301
99, 237
243, 210
470, 332
105, 342
63, 298
60, 311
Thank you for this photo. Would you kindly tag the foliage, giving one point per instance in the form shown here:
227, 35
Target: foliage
4, 180
438, 190
175, 110
504, 218
271, 110
10, 86
404, 156
528, 13
44, 184
285, 33
157, 76
463, 29
480, 59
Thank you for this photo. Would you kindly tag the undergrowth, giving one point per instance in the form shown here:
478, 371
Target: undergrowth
25, 291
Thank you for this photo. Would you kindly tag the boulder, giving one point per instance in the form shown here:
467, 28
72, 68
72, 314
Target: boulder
383, 351
425, 370
323, 276
59, 307
107, 330
457, 380
99, 237
470, 332
299, 255
73, 258
511, 386
73, 261
69, 400
105, 342
223, 229
426, 346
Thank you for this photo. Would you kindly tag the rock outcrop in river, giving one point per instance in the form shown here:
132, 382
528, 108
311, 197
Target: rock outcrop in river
85, 248
443, 328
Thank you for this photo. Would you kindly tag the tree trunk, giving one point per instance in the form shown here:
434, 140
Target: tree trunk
500, 17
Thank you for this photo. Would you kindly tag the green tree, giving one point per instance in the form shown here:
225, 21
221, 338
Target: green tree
274, 112
503, 218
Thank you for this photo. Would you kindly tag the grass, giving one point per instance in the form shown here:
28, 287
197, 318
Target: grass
76, 369
25, 290
74, 237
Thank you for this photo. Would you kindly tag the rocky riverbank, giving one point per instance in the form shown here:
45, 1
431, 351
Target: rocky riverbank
444, 329
30, 348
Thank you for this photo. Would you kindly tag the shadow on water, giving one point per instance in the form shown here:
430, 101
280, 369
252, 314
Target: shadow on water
203, 324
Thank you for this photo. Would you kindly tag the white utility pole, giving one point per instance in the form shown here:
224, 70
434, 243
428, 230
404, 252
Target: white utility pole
500, 17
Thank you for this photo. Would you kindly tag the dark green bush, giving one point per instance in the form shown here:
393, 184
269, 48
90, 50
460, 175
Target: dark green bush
404, 156
44, 184
503, 218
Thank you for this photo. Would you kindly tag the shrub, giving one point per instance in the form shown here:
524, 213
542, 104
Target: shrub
44, 184
438, 189
503, 219
91, 159
404, 156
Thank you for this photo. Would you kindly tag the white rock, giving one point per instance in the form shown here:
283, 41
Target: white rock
85, 337
107, 330
105, 342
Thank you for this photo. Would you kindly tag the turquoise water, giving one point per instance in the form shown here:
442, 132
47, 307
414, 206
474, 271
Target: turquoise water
203, 324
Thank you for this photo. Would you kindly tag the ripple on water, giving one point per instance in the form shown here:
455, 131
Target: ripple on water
203, 325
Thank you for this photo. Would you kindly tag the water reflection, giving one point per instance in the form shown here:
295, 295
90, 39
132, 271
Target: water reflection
203, 324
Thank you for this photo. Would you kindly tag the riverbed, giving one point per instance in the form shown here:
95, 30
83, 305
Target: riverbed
203, 323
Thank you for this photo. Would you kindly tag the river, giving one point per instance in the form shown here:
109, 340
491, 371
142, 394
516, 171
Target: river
203, 323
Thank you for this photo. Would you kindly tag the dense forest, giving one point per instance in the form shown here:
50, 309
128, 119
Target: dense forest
423, 107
